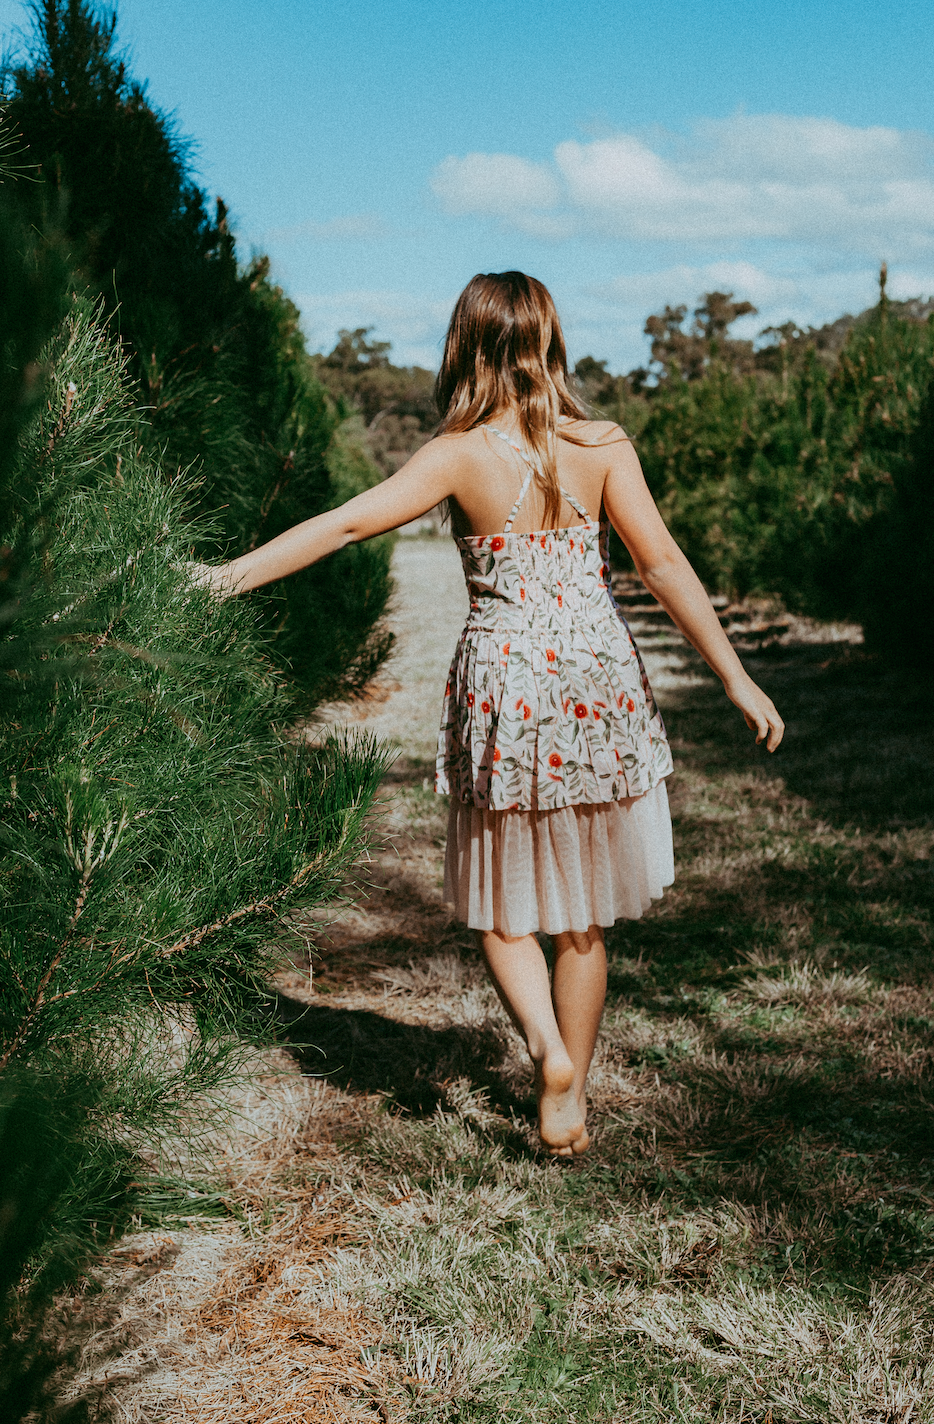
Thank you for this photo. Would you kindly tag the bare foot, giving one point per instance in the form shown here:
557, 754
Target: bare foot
580, 1144
560, 1120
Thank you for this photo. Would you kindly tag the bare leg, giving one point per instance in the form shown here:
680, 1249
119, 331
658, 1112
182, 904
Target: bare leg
520, 974
578, 990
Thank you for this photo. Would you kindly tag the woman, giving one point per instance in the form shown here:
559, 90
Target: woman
551, 746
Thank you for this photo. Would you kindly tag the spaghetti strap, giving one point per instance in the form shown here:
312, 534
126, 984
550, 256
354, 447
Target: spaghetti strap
575, 504
522, 494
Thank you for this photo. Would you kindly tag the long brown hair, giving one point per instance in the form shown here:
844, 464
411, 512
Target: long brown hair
505, 347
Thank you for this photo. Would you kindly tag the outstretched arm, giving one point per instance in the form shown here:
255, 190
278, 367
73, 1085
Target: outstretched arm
667, 575
421, 483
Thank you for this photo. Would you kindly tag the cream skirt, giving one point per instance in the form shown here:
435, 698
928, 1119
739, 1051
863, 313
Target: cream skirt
521, 871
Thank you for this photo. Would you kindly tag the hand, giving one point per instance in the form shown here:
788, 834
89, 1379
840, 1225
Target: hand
212, 577
758, 709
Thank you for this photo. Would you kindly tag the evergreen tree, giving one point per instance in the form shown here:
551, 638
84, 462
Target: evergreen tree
217, 350
798, 470
154, 821
688, 354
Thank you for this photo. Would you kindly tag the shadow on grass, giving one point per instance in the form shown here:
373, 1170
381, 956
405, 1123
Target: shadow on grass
859, 740
410, 1064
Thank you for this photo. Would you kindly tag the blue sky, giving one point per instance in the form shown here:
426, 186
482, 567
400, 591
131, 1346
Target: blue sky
627, 154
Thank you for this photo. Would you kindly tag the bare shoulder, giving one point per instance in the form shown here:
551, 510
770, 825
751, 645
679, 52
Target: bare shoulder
442, 457
597, 433
453, 449
595, 447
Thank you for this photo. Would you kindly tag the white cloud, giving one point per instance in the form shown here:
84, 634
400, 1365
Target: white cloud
749, 177
685, 283
809, 298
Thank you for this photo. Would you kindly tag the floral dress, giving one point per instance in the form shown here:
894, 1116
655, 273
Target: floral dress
547, 709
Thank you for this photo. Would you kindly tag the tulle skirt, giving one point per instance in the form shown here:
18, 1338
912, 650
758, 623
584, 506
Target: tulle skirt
568, 869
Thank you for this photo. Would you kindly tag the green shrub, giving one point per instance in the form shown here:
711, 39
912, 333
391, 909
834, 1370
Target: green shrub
807, 479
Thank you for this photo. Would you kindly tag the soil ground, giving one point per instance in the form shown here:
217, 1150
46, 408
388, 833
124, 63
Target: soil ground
750, 1237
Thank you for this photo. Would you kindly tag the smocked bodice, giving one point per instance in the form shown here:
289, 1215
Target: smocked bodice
533, 579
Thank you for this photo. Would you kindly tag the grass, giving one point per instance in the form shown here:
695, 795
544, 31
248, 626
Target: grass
750, 1237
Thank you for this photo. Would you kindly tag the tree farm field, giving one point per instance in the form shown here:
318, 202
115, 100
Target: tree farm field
750, 1237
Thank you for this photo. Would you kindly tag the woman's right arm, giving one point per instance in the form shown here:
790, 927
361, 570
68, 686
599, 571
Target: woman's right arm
425, 480
667, 574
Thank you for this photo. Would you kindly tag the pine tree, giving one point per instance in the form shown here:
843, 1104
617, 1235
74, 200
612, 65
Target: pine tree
155, 822
795, 477
217, 349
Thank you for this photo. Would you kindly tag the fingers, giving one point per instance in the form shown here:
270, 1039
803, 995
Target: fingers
767, 725
769, 729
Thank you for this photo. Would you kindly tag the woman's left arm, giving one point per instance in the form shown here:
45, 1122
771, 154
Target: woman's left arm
667, 574
422, 482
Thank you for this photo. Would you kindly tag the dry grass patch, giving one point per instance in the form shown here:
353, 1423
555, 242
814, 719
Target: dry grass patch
807, 983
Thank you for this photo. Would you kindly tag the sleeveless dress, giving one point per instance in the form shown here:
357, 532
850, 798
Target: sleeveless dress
551, 745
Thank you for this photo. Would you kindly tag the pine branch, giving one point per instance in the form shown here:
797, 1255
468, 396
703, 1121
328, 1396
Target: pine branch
263, 904
256, 907
39, 997
59, 428
128, 563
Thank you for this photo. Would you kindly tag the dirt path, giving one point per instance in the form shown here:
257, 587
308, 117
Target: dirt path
429, 610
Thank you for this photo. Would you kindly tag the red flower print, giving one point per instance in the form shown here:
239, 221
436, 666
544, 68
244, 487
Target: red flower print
470, 699
554, 760
447, 690
505, 650
485, 707
580, 710
519, 704
621, 699
630, 706
599, 704
497, 755
596, 715
550, 654
497, 543
560, 601
522, 594
526, 712
544, 542
571, 544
